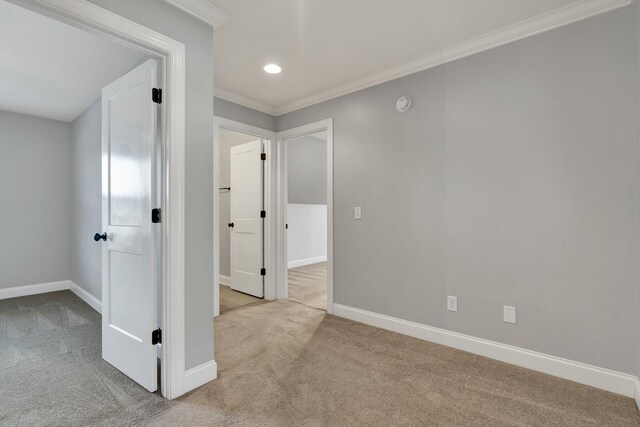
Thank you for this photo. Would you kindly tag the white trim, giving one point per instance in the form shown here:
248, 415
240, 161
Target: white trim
225, 280
40, 288
204, 10
270, 205
200, 375
85, 296
244, 101
637, 393
538, 24
594, 376
282, 200
306, 261
92, 17
43, 288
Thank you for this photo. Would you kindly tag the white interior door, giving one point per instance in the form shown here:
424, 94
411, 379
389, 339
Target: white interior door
246, 223
129, 293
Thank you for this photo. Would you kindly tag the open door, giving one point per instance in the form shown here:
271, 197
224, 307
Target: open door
246, 221
129, 288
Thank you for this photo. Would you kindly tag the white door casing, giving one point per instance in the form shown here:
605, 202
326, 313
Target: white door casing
247, 229
129, 287
282, 202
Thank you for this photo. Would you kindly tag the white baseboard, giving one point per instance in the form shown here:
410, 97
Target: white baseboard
306, 261
225, 280
605, 379
40, 288
199, 376
85, 296
62, 285
637, 393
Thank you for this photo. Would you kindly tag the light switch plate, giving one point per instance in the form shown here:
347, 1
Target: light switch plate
509, 314
452, 303
357, 212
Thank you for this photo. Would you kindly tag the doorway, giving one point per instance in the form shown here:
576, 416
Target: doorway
306, 214
244, 219
98, 23
275, 190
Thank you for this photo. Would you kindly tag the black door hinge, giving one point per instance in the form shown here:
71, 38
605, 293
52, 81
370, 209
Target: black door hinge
156, 337
263, 156
156, 215
263, 214
263, 271
156, 95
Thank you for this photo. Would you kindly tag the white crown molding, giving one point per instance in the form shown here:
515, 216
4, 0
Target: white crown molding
594, 376
548, 21
244, 101
204, 10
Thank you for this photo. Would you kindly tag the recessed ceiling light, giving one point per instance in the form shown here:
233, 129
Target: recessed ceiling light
272, 68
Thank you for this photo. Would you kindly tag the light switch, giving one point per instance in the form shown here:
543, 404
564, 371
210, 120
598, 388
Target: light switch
357, 212
509, 314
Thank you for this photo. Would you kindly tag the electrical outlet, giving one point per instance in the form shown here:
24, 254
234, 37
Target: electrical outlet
357, 212
509, 314
452, 303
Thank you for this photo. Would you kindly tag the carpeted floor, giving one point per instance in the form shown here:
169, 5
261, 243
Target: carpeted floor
286, 364
308, 285
52, 372
280, 364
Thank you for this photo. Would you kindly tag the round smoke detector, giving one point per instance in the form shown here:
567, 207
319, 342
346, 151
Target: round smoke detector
403, 104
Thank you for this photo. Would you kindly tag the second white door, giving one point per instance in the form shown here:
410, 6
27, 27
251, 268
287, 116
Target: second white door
246, 224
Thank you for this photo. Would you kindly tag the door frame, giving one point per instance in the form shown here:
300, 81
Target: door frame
175, 379
269, 204
282, 190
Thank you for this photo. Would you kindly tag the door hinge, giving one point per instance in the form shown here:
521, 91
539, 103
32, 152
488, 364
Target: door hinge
156, 216
263, 214
263, 271
156, 95
156, 337
263, 156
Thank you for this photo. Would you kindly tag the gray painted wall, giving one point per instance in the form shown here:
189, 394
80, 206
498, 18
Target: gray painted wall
239, 113
510, 181
307, 170
35, 225
86, 155
198, 39
636, 7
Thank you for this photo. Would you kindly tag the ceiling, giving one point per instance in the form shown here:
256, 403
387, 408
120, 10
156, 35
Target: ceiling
331, 47
53, 70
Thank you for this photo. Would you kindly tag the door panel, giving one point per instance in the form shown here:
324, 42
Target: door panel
129, 293
247, 232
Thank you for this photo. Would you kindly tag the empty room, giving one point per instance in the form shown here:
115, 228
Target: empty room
320, 212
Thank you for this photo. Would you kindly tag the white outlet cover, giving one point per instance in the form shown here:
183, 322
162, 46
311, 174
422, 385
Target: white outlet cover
452, 303
509, 314
357, 212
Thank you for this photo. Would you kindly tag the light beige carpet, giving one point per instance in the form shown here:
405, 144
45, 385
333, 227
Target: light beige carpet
308, 285
286, 364
230, 299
